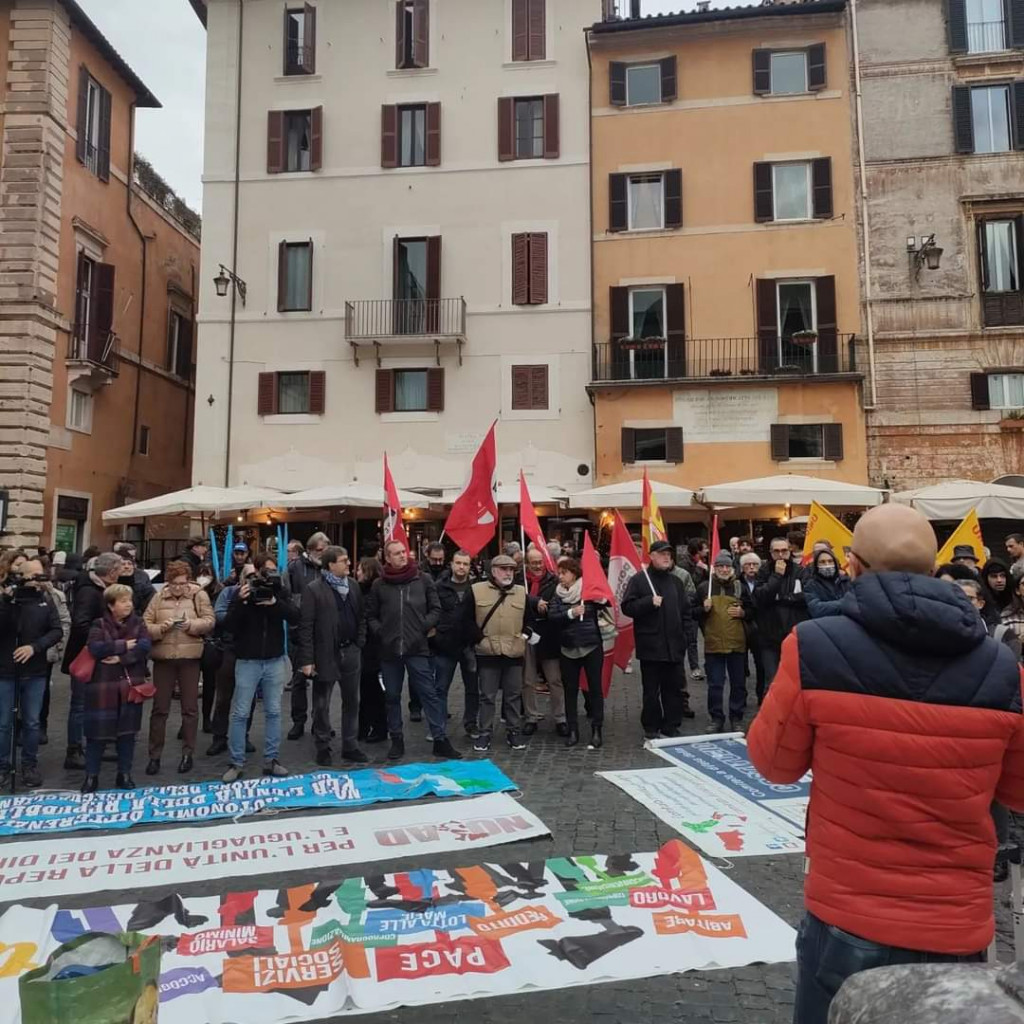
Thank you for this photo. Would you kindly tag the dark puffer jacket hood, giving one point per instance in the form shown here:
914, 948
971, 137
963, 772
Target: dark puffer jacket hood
916, 614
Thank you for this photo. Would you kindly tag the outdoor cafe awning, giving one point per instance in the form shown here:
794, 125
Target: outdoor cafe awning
790, 489
350, 495
628, 494
194, 500
953, 499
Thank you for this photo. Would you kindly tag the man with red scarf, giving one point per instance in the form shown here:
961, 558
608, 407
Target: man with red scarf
402, 611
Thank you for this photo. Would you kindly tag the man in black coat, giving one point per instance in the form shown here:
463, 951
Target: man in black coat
451, 644
544, 656
658, 604
132, 576
29, 627
331, 636
780, 603
301, 572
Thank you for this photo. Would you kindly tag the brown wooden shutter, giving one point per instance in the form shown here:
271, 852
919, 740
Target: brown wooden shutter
433, 145
675, 329
317, 392
832, 441
767, 325
521, 387
103, 156
956, 21
538, 30
674, 444
103, 298
963, 119
538, 268
421, 33
316, 138
619, 305
539, 387
551, 129
434, 267
435, 389
275, 141
618, 202
385, 391
628, 444
282, 276
617, 83
1017, 108
266, 395
287, 42
762, 65
979, 391
400, 34
81, 125
1015, 10
780, 442
817, 77
821, 180
673, 198
520, 269
764, 193
309, 39
668, 79
309, 278
506, 128
520, 30
81, 324
828, 338
389, 135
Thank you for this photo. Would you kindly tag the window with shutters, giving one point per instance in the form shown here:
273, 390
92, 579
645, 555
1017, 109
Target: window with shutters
797, 318
791, 191
94, 310
650, 445
529, 128
806, 441
94, 115
412, 34
179, 344
986, 25
295, 277
1006, 390
143, 440
990, 118
1000, 248
412, 136
646, 348
530, 387
292, 392
646, 202
79, 417
795, 191
643, 84
300, 40
410, 390
530, 268
298, 138
789, 72
529, 30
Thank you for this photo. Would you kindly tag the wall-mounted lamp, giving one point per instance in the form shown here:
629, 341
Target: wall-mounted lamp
226, 277
927, 253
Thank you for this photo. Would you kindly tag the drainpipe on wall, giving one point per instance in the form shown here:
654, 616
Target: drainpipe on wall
590, 233
234, 243
868, 295
142, 298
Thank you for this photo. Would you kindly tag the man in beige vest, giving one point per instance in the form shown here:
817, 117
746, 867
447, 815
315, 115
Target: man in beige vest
498, 610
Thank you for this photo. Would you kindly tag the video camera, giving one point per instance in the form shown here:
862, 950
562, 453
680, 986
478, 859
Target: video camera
264, 586
22, 592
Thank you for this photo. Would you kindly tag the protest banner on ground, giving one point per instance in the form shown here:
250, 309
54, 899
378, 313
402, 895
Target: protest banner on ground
717, 799
331, 948
36, 813
56, 867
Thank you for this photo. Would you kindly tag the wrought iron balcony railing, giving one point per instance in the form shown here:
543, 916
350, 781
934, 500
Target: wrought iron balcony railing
368, 320
100, 349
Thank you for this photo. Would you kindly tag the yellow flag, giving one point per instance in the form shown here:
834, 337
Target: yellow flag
822, 525
968, 532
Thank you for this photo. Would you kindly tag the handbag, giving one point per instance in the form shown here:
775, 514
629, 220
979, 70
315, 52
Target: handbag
139, 693
83, 666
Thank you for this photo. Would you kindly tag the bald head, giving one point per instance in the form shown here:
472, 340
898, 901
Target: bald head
893, 538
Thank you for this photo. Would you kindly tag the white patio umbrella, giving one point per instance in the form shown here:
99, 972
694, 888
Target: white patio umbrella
198, 499
356, 494
790, 489
629, 494
953, 499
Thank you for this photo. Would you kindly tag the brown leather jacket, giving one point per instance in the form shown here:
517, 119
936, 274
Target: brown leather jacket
171, 643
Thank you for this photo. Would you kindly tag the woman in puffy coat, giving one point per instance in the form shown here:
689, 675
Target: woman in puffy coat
825, 585
177, 619
581, 649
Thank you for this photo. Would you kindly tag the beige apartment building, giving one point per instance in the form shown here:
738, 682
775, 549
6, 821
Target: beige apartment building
401, 189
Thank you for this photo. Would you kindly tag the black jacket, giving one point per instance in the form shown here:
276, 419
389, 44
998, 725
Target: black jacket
659, 633
301, 572
452, 636
143, 590
257, 630
371, 648
780, 606
550, 644
33, 622
317, 639
824, 596
401, 615
573, 632
86, 606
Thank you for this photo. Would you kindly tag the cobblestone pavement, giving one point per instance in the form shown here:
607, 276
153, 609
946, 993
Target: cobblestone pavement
585, 815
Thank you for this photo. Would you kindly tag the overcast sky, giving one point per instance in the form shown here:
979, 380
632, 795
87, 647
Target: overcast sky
164, 43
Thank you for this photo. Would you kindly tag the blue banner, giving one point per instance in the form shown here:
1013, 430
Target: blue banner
40, 813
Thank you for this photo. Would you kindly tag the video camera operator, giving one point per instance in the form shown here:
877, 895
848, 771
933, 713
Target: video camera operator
29, 627
256, 621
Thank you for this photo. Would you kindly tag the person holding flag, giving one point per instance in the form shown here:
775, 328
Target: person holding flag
543, 656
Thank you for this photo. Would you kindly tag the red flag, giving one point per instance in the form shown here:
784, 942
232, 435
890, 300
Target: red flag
473, 519
623, 565
531, 525
595, 584
393, 526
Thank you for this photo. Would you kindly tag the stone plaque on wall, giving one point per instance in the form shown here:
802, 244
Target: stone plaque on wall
709, 415
462, 444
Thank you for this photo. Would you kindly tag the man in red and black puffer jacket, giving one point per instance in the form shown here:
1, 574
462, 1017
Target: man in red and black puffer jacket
909, 715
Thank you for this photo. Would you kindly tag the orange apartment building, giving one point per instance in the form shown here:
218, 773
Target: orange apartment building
726, 287
97, 288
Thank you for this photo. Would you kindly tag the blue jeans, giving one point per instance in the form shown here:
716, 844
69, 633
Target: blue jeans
30, 704
422, 684
826, 956
76, 715
444, 672
716, 666
250, 675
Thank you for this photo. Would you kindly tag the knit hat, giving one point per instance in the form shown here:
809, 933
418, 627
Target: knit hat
723, 558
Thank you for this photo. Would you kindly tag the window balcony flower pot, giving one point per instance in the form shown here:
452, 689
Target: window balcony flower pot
643, 344
720, 373
804, 338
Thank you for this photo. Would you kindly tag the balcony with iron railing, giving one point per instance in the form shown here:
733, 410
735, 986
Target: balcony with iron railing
405, 321
644, 360
95, 352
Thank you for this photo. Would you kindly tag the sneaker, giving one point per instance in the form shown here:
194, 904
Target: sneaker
323, 758
233, 774
515, 741
443, 748
429, 738
30, 778
275, 769
482, 744
696, 674
472, 731
355, 755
